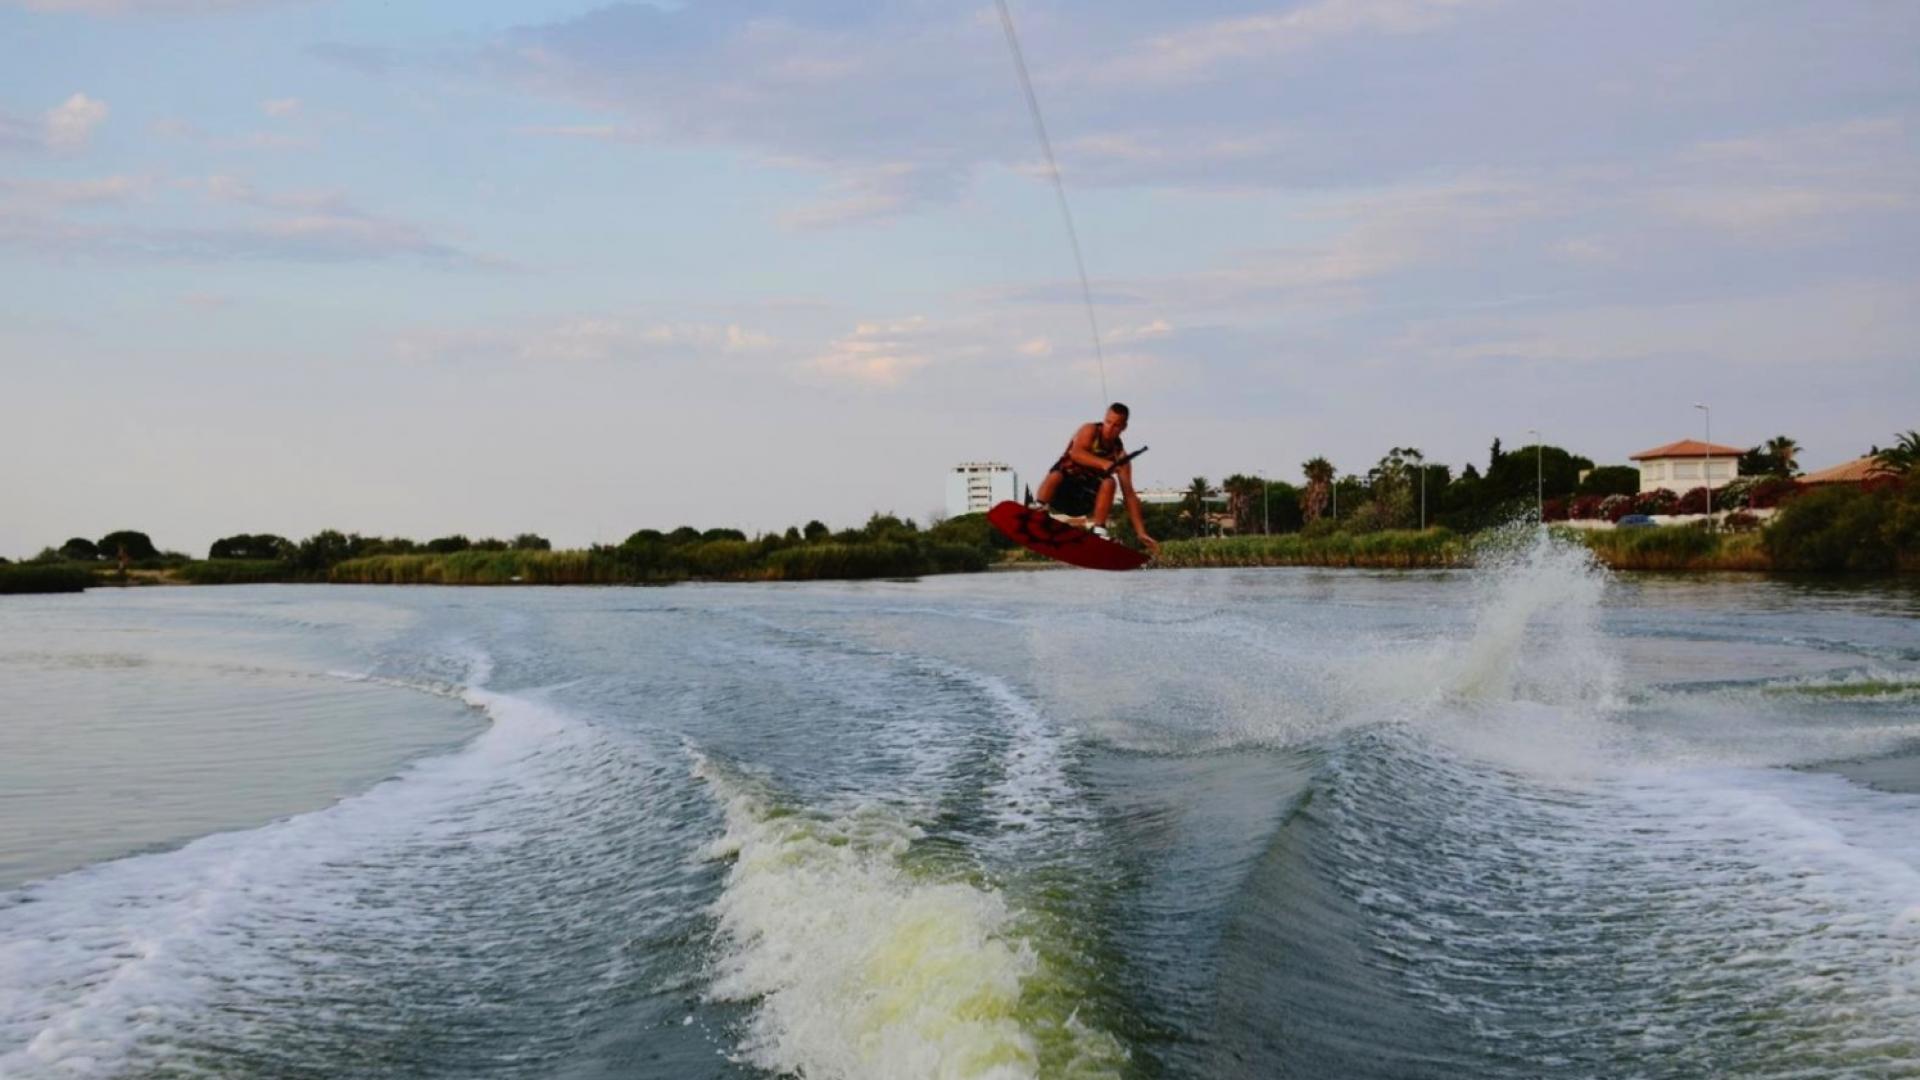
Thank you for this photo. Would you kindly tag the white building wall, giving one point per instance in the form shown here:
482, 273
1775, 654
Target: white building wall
973, 487
1686, 473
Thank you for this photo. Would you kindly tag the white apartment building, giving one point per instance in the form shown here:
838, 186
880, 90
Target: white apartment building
1682, 466
974, 486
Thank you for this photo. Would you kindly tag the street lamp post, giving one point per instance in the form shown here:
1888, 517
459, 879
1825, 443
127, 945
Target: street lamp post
1420, 462
1709, 467
1539, 475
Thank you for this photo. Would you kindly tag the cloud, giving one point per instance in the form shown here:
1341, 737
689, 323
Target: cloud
70, 124
1772, 181
52, 194
1871, 321
901, 106
278, 107
877, 354
176, 128
1204, 50
1039, 346
299, 226
1158, 328
874, 193
586, 339
142, 7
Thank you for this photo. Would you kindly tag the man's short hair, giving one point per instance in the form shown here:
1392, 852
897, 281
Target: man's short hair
1119, 408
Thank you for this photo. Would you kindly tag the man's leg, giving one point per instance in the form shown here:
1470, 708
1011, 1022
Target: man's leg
1103, 503
1047, 487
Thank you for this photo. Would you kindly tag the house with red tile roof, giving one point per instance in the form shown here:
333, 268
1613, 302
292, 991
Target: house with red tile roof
1687, 464
1857, 471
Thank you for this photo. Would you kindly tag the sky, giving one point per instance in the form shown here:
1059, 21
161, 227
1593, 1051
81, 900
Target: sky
583, 268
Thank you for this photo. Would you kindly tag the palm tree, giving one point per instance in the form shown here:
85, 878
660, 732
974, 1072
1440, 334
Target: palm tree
1241, 491
1319, 474
1900, 458
1785, 453
1193, 507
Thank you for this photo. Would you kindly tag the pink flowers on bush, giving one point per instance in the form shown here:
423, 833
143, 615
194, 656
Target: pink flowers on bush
1587, 507
1615, 507
1657, 501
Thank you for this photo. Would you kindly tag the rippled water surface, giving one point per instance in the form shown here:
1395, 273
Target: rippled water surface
1523, 821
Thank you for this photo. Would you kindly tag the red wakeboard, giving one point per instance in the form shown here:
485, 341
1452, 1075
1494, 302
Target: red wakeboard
1036, 531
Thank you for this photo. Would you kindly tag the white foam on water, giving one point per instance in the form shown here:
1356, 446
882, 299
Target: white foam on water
97, 962
856, 965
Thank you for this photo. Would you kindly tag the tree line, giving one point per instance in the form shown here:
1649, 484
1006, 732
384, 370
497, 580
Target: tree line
1403, 490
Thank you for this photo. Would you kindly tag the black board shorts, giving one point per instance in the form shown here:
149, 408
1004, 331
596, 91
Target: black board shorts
1076, 493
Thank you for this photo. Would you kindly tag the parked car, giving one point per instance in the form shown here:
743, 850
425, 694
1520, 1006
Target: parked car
1636, 521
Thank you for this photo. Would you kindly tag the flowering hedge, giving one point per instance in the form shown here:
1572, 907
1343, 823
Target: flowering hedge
1615, 507
1657, 501
1693, 502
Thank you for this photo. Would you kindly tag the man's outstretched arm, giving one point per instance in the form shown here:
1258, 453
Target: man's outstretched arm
1134, 514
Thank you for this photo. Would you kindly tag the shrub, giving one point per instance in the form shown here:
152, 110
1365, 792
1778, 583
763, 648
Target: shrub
1615, 507
1588, 507
1847, 527
1693, 502
1740, 521
1657, 501
43, 579
835, 560
1554, 509
229, 571
1768, 492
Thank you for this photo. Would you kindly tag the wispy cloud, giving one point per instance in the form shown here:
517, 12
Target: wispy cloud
143, 7
292, 226
877, 353
280, 107
1206, 49
70, 124
50, 194
186, 131
586, 339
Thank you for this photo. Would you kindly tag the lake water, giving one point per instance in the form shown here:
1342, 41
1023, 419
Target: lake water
1528, 820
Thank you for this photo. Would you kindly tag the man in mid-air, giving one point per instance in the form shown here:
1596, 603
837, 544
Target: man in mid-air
1081, 483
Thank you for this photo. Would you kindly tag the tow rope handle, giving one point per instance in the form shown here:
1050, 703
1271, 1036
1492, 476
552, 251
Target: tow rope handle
1123, 460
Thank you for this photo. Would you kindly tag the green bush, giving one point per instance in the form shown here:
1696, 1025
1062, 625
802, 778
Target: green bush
227, 571
1839, 527
43, 579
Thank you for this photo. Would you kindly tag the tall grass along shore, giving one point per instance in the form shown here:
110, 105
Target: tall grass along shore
1389, 549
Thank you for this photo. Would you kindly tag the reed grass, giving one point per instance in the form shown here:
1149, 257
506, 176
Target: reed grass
877, 560
1392, 549
235, 571
1676, 547
43, 579
713, 560
493, 568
